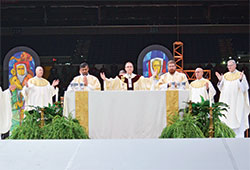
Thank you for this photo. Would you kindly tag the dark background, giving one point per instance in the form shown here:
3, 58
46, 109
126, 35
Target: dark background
112, 32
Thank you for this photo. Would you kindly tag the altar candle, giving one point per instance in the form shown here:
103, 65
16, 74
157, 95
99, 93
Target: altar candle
210, 100
56, 94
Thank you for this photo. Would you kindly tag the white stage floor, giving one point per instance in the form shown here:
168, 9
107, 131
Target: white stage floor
146, 154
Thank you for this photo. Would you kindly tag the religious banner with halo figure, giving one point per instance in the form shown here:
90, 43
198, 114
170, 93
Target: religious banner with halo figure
21, 67
154, 57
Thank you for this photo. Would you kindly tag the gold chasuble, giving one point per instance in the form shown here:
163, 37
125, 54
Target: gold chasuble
128, 82
38, 93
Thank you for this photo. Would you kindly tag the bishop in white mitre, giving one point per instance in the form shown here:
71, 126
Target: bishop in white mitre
234, 92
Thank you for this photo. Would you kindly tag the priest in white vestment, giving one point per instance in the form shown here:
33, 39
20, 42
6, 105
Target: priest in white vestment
234, 92
5, 110
201, 87
172, 78
38, 91
128, 81
84, 81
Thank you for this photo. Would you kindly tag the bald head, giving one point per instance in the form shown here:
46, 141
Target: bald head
199, 69
198, 73
39, 71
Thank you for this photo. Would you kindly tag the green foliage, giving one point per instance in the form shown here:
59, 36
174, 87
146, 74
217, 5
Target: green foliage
201, 111
49, 112
64, 128
198, 116
183, 128
56, 125
54, 110
30, 128
221, 130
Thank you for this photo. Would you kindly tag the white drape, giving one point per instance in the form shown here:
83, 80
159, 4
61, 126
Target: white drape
5, 111
125, 114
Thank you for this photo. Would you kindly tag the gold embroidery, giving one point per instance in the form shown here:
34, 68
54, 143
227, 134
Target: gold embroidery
82, 110
39, 82
199, 83
172, 104
232, 76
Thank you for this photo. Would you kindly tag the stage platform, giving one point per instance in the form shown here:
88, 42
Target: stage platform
124, 154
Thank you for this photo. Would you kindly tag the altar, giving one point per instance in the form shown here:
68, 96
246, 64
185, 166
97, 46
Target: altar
124, 114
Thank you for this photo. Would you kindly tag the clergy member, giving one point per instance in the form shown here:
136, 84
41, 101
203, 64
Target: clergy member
85, 81
38, 91
128, 81
5, 111
201, 87
234, 92
171, 78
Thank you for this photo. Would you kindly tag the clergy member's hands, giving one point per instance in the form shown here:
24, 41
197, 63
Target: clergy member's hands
85, 81
207, 86
103, 76
172, 85
55, 83
12, 87
219, 76
241, 75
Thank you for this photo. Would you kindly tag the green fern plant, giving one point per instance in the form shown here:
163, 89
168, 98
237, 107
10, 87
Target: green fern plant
195, 122
185, 127
30, 128
64, 128
221, 130
201, 111
56, 125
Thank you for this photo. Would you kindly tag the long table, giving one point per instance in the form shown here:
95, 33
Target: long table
124, 114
